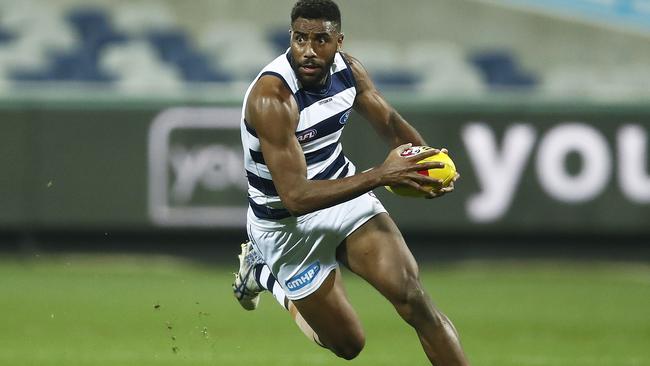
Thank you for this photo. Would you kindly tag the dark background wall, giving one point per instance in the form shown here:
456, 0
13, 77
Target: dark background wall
537, 178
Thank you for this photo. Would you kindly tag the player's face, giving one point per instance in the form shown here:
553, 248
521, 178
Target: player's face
314, 43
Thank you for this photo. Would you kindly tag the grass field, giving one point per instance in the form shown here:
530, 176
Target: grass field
126, 310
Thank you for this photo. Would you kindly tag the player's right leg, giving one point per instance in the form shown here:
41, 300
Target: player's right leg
253, 277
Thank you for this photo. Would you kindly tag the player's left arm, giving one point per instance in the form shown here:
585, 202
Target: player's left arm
394, 129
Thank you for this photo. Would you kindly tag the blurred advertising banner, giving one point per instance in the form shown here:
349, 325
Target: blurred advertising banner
550, 169
526, 168
196, 168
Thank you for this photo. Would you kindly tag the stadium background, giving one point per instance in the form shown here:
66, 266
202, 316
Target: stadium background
123, 195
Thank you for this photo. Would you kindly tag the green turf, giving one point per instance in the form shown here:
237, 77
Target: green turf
81, 310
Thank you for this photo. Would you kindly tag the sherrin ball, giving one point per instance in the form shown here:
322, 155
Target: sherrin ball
446, 174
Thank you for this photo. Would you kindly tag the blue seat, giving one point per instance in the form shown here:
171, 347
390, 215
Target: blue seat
196, 67
499, 69
78, 65
395, 79
89, 21
23, 75
5, 36
172, 45
279, 38
94, 27
95, 30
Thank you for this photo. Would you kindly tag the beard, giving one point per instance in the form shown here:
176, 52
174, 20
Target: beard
313, 79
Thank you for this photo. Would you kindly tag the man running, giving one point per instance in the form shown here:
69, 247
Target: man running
310, 209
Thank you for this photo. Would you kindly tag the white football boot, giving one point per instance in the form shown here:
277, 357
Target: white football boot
245, 288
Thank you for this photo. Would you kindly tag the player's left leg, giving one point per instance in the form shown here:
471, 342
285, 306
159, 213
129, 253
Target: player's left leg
253, 277
376, 251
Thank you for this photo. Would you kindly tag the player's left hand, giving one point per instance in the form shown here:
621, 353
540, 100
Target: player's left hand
435, 193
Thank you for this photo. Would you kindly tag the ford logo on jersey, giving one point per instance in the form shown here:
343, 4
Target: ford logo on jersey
345, 116
307, 135
303, 278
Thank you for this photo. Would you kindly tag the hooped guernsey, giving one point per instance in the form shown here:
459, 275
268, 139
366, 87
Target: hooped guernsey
323, 115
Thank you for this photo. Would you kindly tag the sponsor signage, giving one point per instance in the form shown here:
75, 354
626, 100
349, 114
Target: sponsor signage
529, 170
303, 278
554, 172
524, 168
196, 170
599, 165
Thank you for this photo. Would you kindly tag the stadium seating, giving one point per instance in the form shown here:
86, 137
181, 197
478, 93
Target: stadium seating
279, 39
146, 46
139, 18
5, 35
500, 69
237, 60
137, 68
385, 62
139, 47
443, 69
615, 82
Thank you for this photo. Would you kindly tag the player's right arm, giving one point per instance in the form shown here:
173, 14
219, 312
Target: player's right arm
273, 113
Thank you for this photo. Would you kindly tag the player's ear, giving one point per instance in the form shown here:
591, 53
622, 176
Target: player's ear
339, 41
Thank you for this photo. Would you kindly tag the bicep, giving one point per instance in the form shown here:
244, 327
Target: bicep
275, 123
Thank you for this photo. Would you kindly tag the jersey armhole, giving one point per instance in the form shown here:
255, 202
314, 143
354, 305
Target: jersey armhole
284, 81
347, 64
277, 75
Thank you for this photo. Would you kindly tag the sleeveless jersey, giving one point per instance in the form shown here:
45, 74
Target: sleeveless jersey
323, 116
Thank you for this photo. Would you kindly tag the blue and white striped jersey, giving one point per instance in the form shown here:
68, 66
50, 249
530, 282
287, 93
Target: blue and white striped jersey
323, 116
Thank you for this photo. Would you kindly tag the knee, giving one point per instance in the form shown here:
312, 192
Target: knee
414, 305
350, 347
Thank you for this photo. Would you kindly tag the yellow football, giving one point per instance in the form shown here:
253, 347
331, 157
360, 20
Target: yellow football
446, 174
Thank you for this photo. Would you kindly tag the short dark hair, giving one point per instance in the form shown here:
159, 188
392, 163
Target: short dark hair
317, 9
